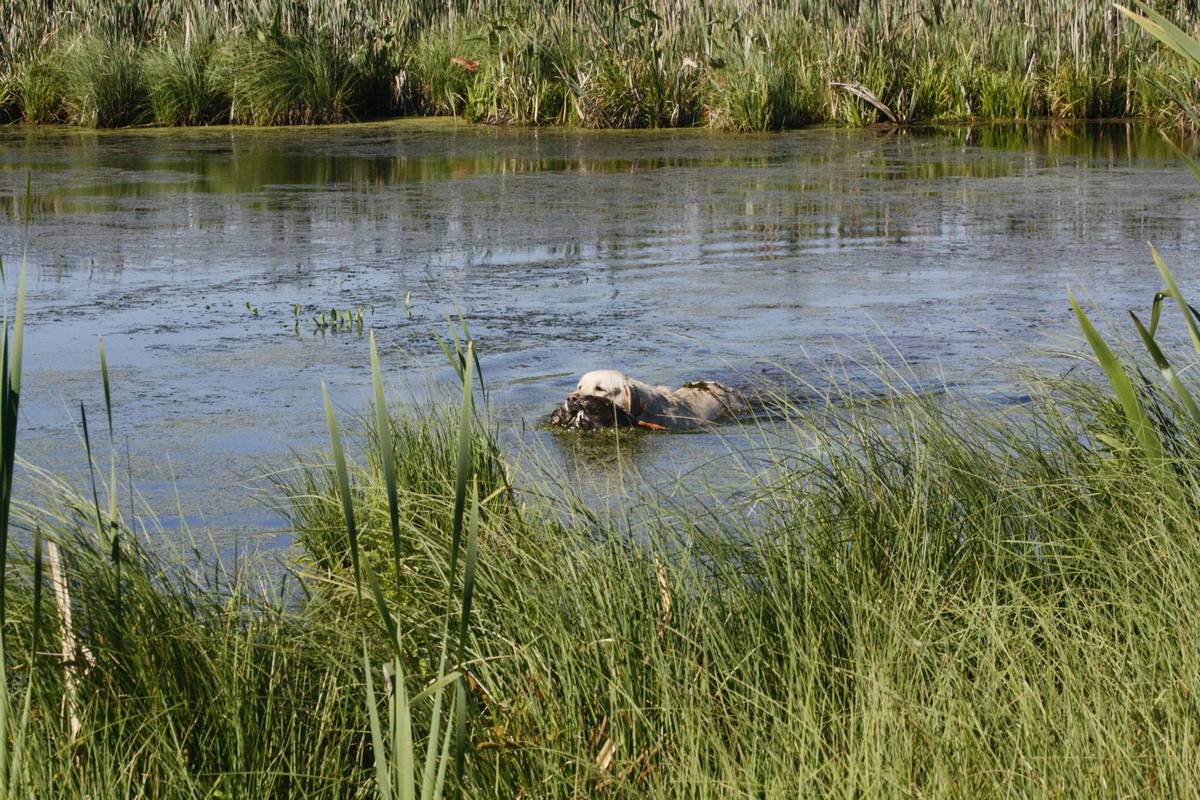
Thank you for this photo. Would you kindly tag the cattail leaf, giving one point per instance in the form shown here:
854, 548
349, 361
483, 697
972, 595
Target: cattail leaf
1164, 30
343, 478
1177, 296
382, 775
1167, 371
1135, 414
387, 454
463, 468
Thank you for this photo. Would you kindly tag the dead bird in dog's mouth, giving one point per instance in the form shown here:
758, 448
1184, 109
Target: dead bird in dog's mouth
590, 413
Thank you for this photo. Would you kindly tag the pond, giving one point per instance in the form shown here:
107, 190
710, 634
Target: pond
670, 255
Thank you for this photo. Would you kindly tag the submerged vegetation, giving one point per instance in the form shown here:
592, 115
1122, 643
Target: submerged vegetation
731, 64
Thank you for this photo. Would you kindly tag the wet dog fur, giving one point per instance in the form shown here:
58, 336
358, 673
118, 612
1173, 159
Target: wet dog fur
608, 398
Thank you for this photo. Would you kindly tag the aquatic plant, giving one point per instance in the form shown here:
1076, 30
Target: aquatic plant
10, 104
393, 747
276, 79
518, 81
38, 87
638, 64
102, 83
14, 727
911, 593
893, 580
335, 321
441, 67
1181, 86
182, 84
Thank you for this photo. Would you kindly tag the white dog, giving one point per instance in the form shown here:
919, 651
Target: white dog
635, 403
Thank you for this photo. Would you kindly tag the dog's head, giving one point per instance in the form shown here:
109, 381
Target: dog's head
607, 384
603, 399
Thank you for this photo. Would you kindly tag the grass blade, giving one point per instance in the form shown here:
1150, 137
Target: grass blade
465, 432
1164, 367
107, 388
1173, 291
343, 478
444, 759
385, 616
10, 401
469, 570
1182, 155
382, 776
428, 774
460, 728
87, 446
1164, 30
436, 688
402, 744
387, 454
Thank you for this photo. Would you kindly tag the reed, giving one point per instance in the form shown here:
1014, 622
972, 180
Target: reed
728, 64
182, 84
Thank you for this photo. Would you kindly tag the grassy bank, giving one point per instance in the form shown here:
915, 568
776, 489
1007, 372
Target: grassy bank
919, 597
730, 65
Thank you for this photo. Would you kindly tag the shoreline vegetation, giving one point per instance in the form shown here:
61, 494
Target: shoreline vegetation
730, 65
922, 596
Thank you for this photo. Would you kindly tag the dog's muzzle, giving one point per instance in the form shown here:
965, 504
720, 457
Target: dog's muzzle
590, 413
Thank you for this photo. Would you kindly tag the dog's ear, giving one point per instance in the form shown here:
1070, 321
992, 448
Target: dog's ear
633, 400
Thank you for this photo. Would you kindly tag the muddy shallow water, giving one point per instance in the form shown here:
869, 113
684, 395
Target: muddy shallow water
674, 256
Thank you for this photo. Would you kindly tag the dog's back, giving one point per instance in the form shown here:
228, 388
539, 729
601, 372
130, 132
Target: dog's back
695, 404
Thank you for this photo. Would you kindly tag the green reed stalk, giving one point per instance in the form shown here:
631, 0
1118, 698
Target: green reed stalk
394, 748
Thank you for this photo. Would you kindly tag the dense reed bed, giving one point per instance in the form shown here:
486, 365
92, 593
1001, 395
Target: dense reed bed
732, 64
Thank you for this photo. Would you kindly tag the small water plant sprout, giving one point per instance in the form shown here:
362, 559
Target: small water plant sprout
336, 321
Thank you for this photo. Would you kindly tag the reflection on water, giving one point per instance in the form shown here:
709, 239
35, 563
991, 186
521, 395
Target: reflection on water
673, 255
102, 169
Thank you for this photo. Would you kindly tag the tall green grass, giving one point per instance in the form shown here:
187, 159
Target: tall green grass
916, 597
102, 83
727, 64
182, 84
39, 93
921, 597
279, 80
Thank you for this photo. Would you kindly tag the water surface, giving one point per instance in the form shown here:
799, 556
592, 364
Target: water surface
671, 255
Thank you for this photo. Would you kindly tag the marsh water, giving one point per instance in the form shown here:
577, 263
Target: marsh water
670, 255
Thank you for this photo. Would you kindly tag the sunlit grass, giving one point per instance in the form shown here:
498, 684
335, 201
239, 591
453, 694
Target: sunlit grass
913, 595
182, 84
645, 64
927, 594
102, 83
277, 80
